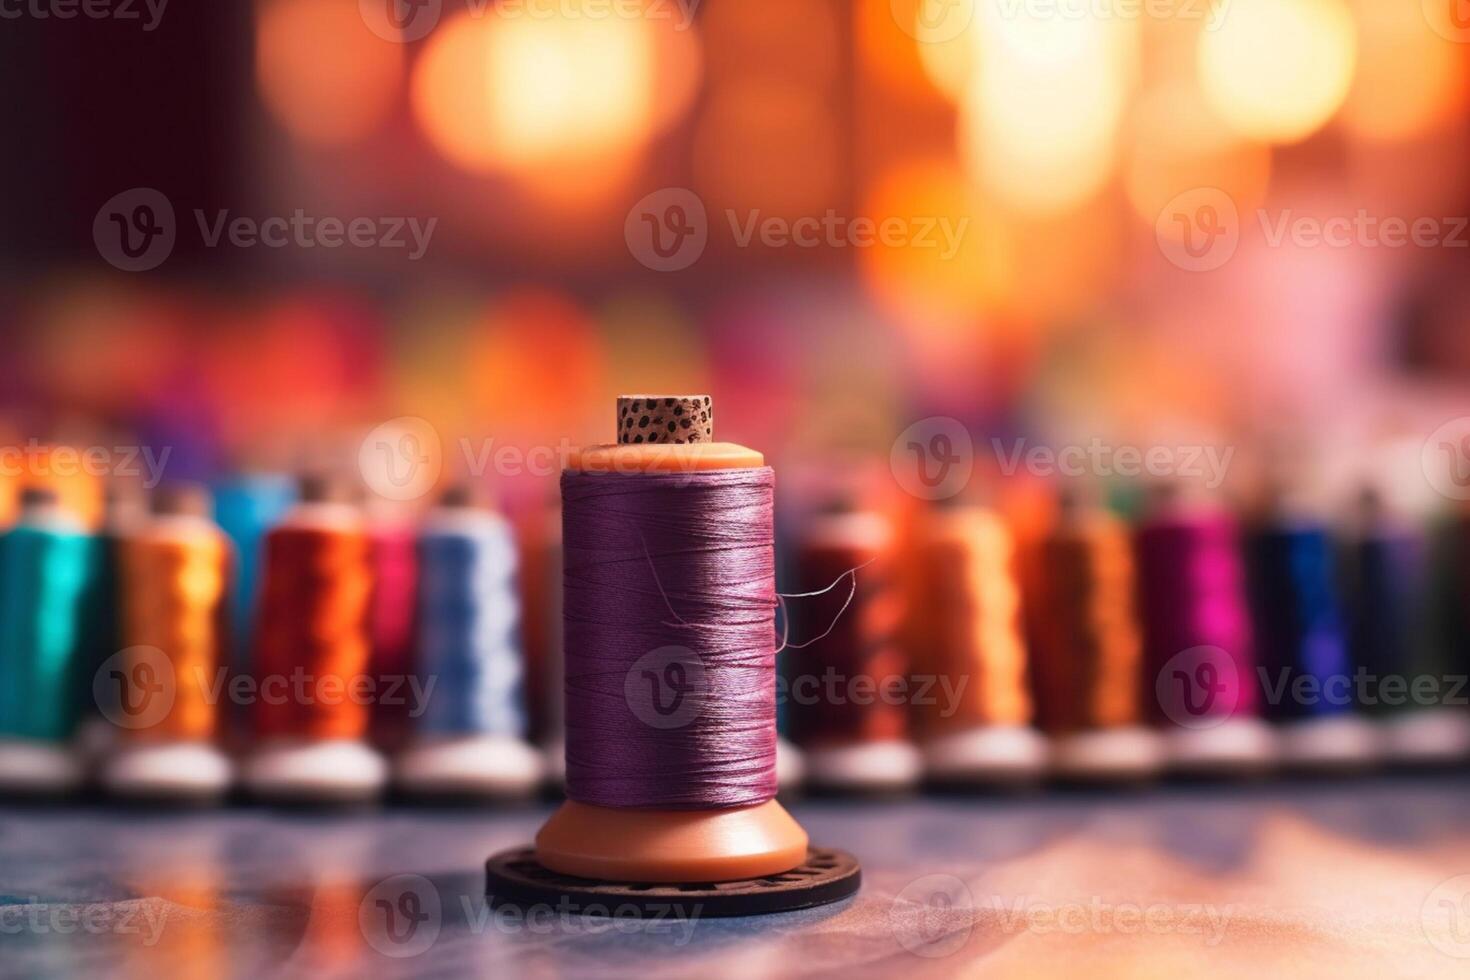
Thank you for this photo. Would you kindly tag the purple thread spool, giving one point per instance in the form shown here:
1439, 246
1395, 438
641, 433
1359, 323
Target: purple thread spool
669, 611
669, 603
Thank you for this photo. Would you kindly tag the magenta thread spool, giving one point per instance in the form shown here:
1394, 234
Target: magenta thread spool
391, 620
1200, 679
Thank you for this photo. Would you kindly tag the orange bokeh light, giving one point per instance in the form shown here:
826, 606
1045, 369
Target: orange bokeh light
563, 104
1042, 105
937, 294
1277, 70
322, 74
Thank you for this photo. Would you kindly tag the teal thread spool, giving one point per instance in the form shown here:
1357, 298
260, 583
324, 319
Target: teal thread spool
47, 564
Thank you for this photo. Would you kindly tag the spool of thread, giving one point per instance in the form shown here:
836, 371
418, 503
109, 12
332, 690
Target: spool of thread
1197, 641
790, 760
247, 507
312, 643
848, 675
470, 738
669, 610
1302, 646
969, 686
125, 508
47, 563
392, 622
174, 587
1087, 650
1394, 639
543, 595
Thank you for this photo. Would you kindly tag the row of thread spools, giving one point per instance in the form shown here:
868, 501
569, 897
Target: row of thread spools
1191, 643
377, 653
928, 647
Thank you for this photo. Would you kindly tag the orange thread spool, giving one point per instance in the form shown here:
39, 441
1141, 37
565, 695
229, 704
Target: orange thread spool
967, 622
173, 585
1088, 653
313, 624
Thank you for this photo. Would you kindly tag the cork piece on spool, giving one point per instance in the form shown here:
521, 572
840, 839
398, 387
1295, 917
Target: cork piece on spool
665, 419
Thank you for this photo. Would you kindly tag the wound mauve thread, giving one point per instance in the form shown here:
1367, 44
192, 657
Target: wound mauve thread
669, 612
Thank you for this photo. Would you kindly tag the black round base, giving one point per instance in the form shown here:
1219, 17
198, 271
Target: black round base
514, 878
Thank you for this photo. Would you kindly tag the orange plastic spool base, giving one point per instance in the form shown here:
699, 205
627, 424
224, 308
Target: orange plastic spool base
628, 844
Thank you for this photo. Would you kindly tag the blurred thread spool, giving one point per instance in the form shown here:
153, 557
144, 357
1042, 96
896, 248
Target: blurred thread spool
470, 739
312, 645
391, 623
968, 650
1087, 650
1197, 641
125, 508
246, 507
174, 576
790, 760
1301, 647
848, 688
1394, 637
47, 563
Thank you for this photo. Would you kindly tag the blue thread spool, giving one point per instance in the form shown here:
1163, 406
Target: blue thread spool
469, 737
47, 565
246, 507
1302, 646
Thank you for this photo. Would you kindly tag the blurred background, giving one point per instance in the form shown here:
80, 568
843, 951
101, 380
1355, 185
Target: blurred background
1050, 220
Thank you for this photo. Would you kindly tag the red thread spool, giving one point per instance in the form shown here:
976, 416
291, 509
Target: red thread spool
312, 655
847, 689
